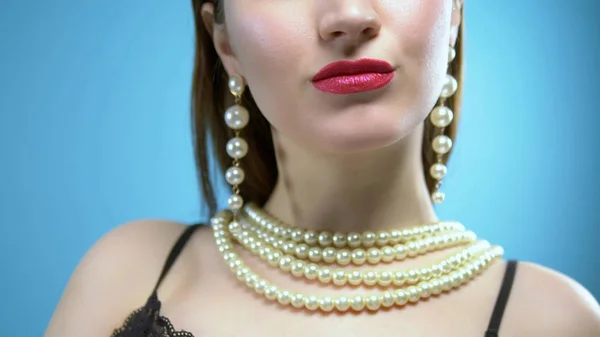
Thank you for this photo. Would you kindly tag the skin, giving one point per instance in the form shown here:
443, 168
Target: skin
346, 162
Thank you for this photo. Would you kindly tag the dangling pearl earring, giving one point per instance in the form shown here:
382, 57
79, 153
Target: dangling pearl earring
441, 116
236, 118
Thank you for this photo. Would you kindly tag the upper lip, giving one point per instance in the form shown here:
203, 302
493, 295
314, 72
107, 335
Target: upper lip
348, 67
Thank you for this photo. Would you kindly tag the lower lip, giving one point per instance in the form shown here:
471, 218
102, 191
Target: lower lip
352, 84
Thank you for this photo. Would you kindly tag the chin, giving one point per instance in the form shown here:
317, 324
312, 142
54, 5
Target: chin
355, 135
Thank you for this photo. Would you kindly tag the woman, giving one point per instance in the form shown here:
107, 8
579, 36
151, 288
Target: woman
335, 159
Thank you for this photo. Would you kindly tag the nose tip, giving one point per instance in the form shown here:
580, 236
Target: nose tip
353, 26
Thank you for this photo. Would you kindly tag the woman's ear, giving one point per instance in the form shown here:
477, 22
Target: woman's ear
220, 39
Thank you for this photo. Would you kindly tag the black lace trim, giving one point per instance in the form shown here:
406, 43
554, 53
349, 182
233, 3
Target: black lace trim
147, 322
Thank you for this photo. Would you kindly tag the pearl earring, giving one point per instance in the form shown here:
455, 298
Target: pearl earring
236, 118
441, 116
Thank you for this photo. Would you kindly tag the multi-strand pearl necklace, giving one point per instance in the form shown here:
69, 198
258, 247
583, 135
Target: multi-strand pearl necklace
301, 253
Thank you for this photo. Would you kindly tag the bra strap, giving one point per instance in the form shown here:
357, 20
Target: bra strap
507, 282
175, 251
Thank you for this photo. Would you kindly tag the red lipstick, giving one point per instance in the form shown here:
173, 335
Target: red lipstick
349, 77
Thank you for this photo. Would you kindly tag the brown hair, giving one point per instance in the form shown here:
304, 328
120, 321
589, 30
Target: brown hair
211, 97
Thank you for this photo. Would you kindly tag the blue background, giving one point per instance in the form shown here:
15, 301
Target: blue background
94, 132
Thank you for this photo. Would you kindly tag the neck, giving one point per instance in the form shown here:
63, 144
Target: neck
369, 191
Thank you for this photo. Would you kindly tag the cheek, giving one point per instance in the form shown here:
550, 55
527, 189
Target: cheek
268, 53
424, 38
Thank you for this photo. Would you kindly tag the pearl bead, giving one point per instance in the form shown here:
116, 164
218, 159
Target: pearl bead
372, 302
359, 256
438, 171
241, 273
451, 54
235, 227
445, 266
228, 256
383, 238
224, 247
236, 84
271, 292
373, 255
311, 271
302, 251
412, 248
455, 279
234, 175
436, 270
329, 255
401, 252
407, 234
388, 254
401, 297
297, 268
426, 289
354, 240
264, 252
370, 278
441, 116
325, 239
387, 299
274, 259
399, 278
298, 301
237, 148
234, 264
414, 294
339, 277
395, 236
285, 263
368, 239
325, 275
339, 240
236, 117
260, 286
326, 304
297, 235
310, 237
315, 254
251, 280
470, 271
235, 202
436, 287
343, 257
441, 144
355, 278
311, 303
385, 278
342, 303
357, 303
218, 233
285, 233
438, 197
450, 86
284, 297
422, 247
412, 276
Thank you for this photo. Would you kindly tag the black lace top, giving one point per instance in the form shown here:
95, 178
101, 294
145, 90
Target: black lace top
147, 321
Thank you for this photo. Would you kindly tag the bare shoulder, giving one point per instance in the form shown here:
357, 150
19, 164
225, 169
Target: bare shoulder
114, 277
547, 303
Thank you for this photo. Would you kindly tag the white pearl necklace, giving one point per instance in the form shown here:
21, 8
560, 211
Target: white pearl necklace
419, 245
423, 283
278, 228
